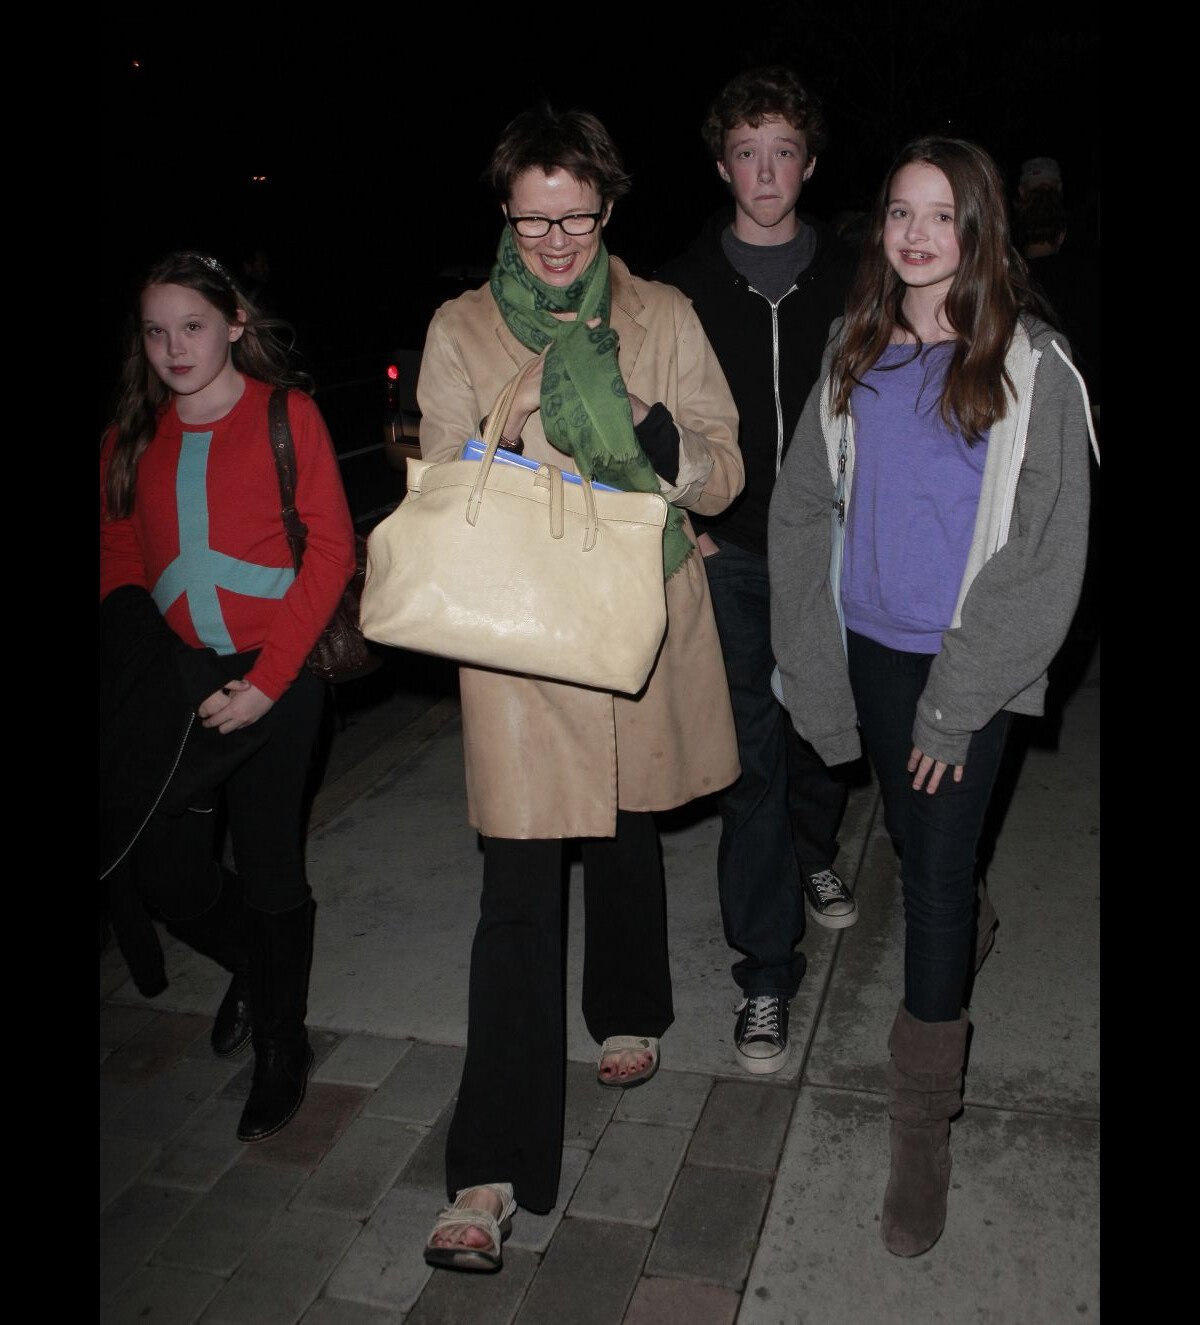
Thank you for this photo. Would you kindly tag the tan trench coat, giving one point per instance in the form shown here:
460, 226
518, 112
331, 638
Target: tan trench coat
546, 760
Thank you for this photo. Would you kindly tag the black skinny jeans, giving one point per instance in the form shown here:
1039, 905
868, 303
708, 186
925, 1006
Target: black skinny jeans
175, 858
936, 836
508, 1122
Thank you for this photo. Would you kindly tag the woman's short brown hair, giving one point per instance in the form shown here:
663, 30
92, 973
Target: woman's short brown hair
759, 94
571, 140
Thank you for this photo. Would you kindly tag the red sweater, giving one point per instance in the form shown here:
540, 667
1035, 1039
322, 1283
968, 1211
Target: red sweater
206, 536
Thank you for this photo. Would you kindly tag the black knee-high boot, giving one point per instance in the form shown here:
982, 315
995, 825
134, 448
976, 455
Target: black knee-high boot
221, 933
280, 954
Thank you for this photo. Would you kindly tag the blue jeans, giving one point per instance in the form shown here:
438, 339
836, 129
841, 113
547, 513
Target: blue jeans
782, 815
936, 836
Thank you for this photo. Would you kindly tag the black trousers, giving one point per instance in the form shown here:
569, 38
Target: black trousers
508, 1122
174, 860
937, 837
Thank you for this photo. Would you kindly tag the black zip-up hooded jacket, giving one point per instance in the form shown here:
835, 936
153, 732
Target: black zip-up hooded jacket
770, 357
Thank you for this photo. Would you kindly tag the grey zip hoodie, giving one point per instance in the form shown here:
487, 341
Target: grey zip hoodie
1023, 575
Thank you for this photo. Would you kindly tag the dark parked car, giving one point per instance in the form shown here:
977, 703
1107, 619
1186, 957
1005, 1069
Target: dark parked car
402, 416
352, 403
369, 396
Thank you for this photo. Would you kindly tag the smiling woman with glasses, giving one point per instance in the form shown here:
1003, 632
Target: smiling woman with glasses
628, 392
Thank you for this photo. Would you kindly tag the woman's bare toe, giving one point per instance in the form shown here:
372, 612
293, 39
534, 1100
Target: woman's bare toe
624, 1063
471, 1235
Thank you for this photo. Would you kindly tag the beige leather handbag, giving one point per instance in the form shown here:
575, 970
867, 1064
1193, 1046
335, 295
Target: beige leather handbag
500, 566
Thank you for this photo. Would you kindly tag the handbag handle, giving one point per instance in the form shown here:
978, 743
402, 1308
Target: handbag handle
494, 430
492, 433
491, 439
591, 529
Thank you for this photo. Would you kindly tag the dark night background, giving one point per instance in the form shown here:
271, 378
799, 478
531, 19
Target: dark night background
372, 133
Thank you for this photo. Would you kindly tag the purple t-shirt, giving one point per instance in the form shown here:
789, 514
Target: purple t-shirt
912, 507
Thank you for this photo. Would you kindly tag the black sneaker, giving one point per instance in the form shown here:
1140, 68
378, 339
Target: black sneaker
831, 905
760, 1033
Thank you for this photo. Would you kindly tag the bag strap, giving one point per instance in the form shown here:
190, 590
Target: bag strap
498, 415
285, 468
491, 439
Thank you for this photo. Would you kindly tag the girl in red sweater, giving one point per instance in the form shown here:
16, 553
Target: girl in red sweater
196, 571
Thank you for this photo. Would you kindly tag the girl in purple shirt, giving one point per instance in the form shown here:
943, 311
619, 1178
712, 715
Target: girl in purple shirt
950, 432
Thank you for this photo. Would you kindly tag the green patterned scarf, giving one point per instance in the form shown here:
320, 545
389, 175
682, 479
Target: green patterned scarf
584, 405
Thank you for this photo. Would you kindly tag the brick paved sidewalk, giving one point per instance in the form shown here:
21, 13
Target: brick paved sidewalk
663, 1190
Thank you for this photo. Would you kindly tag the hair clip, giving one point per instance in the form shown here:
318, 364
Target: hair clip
214, 266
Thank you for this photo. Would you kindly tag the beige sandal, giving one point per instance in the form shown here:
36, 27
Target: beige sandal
616, 1044
459, 1215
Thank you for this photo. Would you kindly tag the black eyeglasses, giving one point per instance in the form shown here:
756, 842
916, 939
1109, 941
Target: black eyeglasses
534, 227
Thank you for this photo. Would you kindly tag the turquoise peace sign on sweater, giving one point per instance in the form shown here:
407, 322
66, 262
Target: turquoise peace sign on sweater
200, 570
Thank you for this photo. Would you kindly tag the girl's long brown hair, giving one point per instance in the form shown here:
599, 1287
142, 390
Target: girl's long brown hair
141, 397
990, 290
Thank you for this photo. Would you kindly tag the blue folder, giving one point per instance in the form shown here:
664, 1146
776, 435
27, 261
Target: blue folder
474, 450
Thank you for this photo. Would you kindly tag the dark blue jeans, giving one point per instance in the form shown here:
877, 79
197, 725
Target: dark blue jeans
783, 813
936, 836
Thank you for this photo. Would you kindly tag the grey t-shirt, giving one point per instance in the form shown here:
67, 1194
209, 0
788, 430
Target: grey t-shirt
771, 268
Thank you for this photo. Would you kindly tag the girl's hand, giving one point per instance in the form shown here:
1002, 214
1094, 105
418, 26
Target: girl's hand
236, 705
922, 763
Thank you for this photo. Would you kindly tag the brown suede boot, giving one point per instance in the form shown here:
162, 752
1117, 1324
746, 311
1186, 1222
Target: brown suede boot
924, 1086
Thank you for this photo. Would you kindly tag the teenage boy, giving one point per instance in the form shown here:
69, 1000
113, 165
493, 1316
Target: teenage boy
766, 281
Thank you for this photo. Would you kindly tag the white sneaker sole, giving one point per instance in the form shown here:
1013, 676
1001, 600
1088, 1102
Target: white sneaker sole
761, 1067
833, 922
